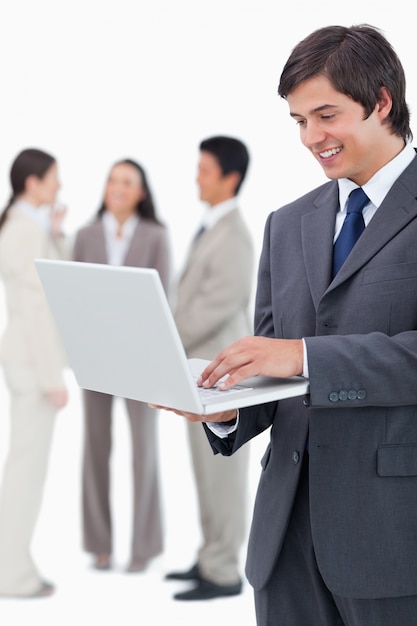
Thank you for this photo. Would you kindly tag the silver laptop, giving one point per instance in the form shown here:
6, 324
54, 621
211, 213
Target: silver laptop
120, 336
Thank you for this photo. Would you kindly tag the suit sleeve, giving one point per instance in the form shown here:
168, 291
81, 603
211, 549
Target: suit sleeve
380, 369
161, 257
252, 421
78, 247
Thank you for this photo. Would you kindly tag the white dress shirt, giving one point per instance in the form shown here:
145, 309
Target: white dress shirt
118, 237
215, 213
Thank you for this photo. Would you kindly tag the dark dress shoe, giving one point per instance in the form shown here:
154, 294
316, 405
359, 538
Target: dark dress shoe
205, 590
190, 574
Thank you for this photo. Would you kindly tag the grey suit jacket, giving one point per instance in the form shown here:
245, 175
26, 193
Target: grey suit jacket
214, 291
361, 413
149, 247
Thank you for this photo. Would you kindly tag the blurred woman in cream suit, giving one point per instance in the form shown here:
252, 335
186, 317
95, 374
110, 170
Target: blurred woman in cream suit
126, 231
33, 363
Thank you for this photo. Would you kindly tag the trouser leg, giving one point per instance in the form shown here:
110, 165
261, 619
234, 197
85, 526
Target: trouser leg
222, 490
147, 523
24, 474
296, 595
96, 513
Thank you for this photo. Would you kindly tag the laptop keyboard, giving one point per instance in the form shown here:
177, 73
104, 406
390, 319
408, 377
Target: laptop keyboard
213, 392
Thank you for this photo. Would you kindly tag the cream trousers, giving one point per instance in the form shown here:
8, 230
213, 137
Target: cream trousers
23, 479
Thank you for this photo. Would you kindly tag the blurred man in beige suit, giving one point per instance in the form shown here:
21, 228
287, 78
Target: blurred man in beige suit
211, 311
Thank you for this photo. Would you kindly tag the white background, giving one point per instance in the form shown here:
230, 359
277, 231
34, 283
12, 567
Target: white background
93, 82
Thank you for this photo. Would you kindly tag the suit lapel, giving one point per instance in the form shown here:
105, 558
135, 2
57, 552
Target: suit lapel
198, 248
100, 251
317, 232
396, 211
136, 245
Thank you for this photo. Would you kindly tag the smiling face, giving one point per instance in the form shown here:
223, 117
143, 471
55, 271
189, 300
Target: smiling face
123, 191
333, 127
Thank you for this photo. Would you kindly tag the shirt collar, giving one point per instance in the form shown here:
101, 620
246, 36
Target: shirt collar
112, 226
381, 182
39, 215
214, 213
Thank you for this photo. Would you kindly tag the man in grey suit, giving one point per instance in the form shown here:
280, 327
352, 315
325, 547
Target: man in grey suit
213, 296
334, 532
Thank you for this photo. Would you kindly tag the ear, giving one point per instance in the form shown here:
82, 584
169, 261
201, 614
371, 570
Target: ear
31, 183
233, 179
384, 103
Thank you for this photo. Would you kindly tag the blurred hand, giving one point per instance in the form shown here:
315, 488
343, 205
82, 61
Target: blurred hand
58, 398
254, 356
224, 416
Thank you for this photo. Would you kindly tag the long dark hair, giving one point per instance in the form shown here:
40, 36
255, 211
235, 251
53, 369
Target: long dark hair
145, 208
29, 162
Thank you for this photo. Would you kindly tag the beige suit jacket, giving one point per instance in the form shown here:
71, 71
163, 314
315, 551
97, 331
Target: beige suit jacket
30, 338
214, 291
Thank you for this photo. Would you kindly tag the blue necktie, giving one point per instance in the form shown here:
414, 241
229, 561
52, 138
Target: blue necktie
352, 228
200, 232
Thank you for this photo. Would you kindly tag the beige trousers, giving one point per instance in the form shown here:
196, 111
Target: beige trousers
23, 479
222, 490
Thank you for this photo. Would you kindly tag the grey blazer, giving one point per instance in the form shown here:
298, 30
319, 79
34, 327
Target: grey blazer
361, 414
149, 247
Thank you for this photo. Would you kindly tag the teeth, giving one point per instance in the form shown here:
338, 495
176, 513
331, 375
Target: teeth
329, 153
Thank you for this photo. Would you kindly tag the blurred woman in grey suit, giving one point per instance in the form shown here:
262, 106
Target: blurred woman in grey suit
33, 361
125, 231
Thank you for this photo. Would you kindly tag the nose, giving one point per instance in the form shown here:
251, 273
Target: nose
312, 134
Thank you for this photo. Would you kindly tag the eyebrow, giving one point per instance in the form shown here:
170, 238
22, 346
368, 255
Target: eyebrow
323, 107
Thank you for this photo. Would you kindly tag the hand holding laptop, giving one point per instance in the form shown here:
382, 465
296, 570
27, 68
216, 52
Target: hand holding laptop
247, 357
224, 416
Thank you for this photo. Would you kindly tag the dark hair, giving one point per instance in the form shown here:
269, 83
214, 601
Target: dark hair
145, 208
29, 162
232, 155
358, 61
